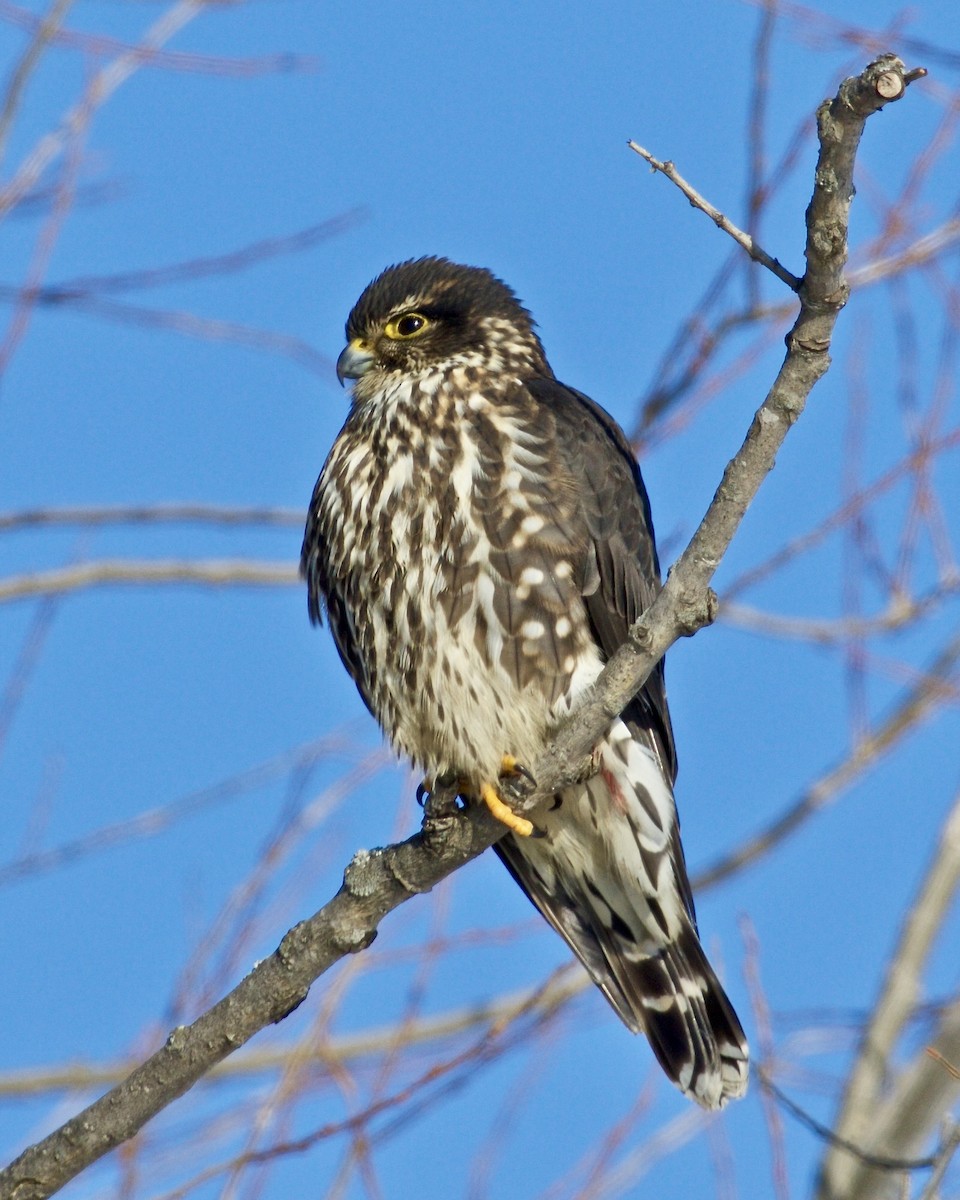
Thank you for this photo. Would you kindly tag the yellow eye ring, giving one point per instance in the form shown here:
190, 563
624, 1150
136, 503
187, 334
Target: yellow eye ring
407, 325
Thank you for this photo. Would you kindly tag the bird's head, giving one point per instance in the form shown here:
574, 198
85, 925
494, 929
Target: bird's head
429, 314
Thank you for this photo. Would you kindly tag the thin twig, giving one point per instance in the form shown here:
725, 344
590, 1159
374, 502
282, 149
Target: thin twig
99, 45
190, 269
148, 514
901, 611
903, 1121
103, 84
901, 989
765, 1058
152, 573
756, 136
756, 252
918, 703
43, 34
949, 1144
880, 1161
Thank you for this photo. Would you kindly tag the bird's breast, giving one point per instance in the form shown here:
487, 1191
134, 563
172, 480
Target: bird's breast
453, 552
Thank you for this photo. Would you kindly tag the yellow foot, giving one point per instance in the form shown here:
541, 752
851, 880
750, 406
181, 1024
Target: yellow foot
520, 825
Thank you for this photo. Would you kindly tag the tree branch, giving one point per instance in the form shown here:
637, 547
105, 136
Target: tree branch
152, 573
917, 703
378, 881
864, 1100
745, 241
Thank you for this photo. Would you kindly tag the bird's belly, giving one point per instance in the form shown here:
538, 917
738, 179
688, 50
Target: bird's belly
447, 688
448, 703
471, 631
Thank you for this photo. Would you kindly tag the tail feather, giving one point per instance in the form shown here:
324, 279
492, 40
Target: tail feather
609, 876
691, 1025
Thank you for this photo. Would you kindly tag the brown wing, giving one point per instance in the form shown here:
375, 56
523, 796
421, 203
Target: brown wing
621, 571
323, 595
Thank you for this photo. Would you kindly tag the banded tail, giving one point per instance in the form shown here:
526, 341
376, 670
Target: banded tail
609, 876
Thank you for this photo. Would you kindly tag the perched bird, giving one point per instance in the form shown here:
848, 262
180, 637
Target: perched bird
480, 540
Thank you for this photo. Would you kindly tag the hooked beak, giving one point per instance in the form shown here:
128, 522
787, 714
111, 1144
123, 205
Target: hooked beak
357, 358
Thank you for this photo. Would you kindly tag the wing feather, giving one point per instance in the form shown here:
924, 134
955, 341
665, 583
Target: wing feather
621, 574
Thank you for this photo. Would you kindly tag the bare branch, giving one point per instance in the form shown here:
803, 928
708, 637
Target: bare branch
756, 252
378, 881
850, 508
344, 1048
99, 45
240, 259
152, 820
148, 514
103, 84
210, 329
857, 1120
919, 702
880, 1162
900, 612
44, 32
949, 1145
218, 572
902, 1124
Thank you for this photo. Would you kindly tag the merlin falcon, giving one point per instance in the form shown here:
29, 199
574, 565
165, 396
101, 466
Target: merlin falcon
480, 541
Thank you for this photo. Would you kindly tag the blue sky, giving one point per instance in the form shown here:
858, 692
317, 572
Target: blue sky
495, 135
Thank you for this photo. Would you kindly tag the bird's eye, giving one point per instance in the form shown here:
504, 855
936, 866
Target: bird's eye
410, 325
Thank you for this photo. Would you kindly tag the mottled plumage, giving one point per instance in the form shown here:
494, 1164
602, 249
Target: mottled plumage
480, 540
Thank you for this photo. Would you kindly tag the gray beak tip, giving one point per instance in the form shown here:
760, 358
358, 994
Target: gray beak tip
355, 360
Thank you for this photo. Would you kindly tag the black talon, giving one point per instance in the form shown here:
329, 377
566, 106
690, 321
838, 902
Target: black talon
423, 793
518, 782
521, 770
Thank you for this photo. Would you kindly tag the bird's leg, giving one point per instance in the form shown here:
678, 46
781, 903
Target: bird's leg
517, 779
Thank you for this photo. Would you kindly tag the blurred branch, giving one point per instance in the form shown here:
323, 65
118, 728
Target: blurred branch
218, 572
849, 509
263, 250
808, 19
756, 191
919, 702
902, 1124
154, 820
880, 1162
149, 514
101, 87
210, 329
900, 612
101, 45
44, 31
85, 195
46, 241
25, 663
702, 334
89, 293
858, 1119
377, 882
545, 999
410, 1098
764, 1056
917, 254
